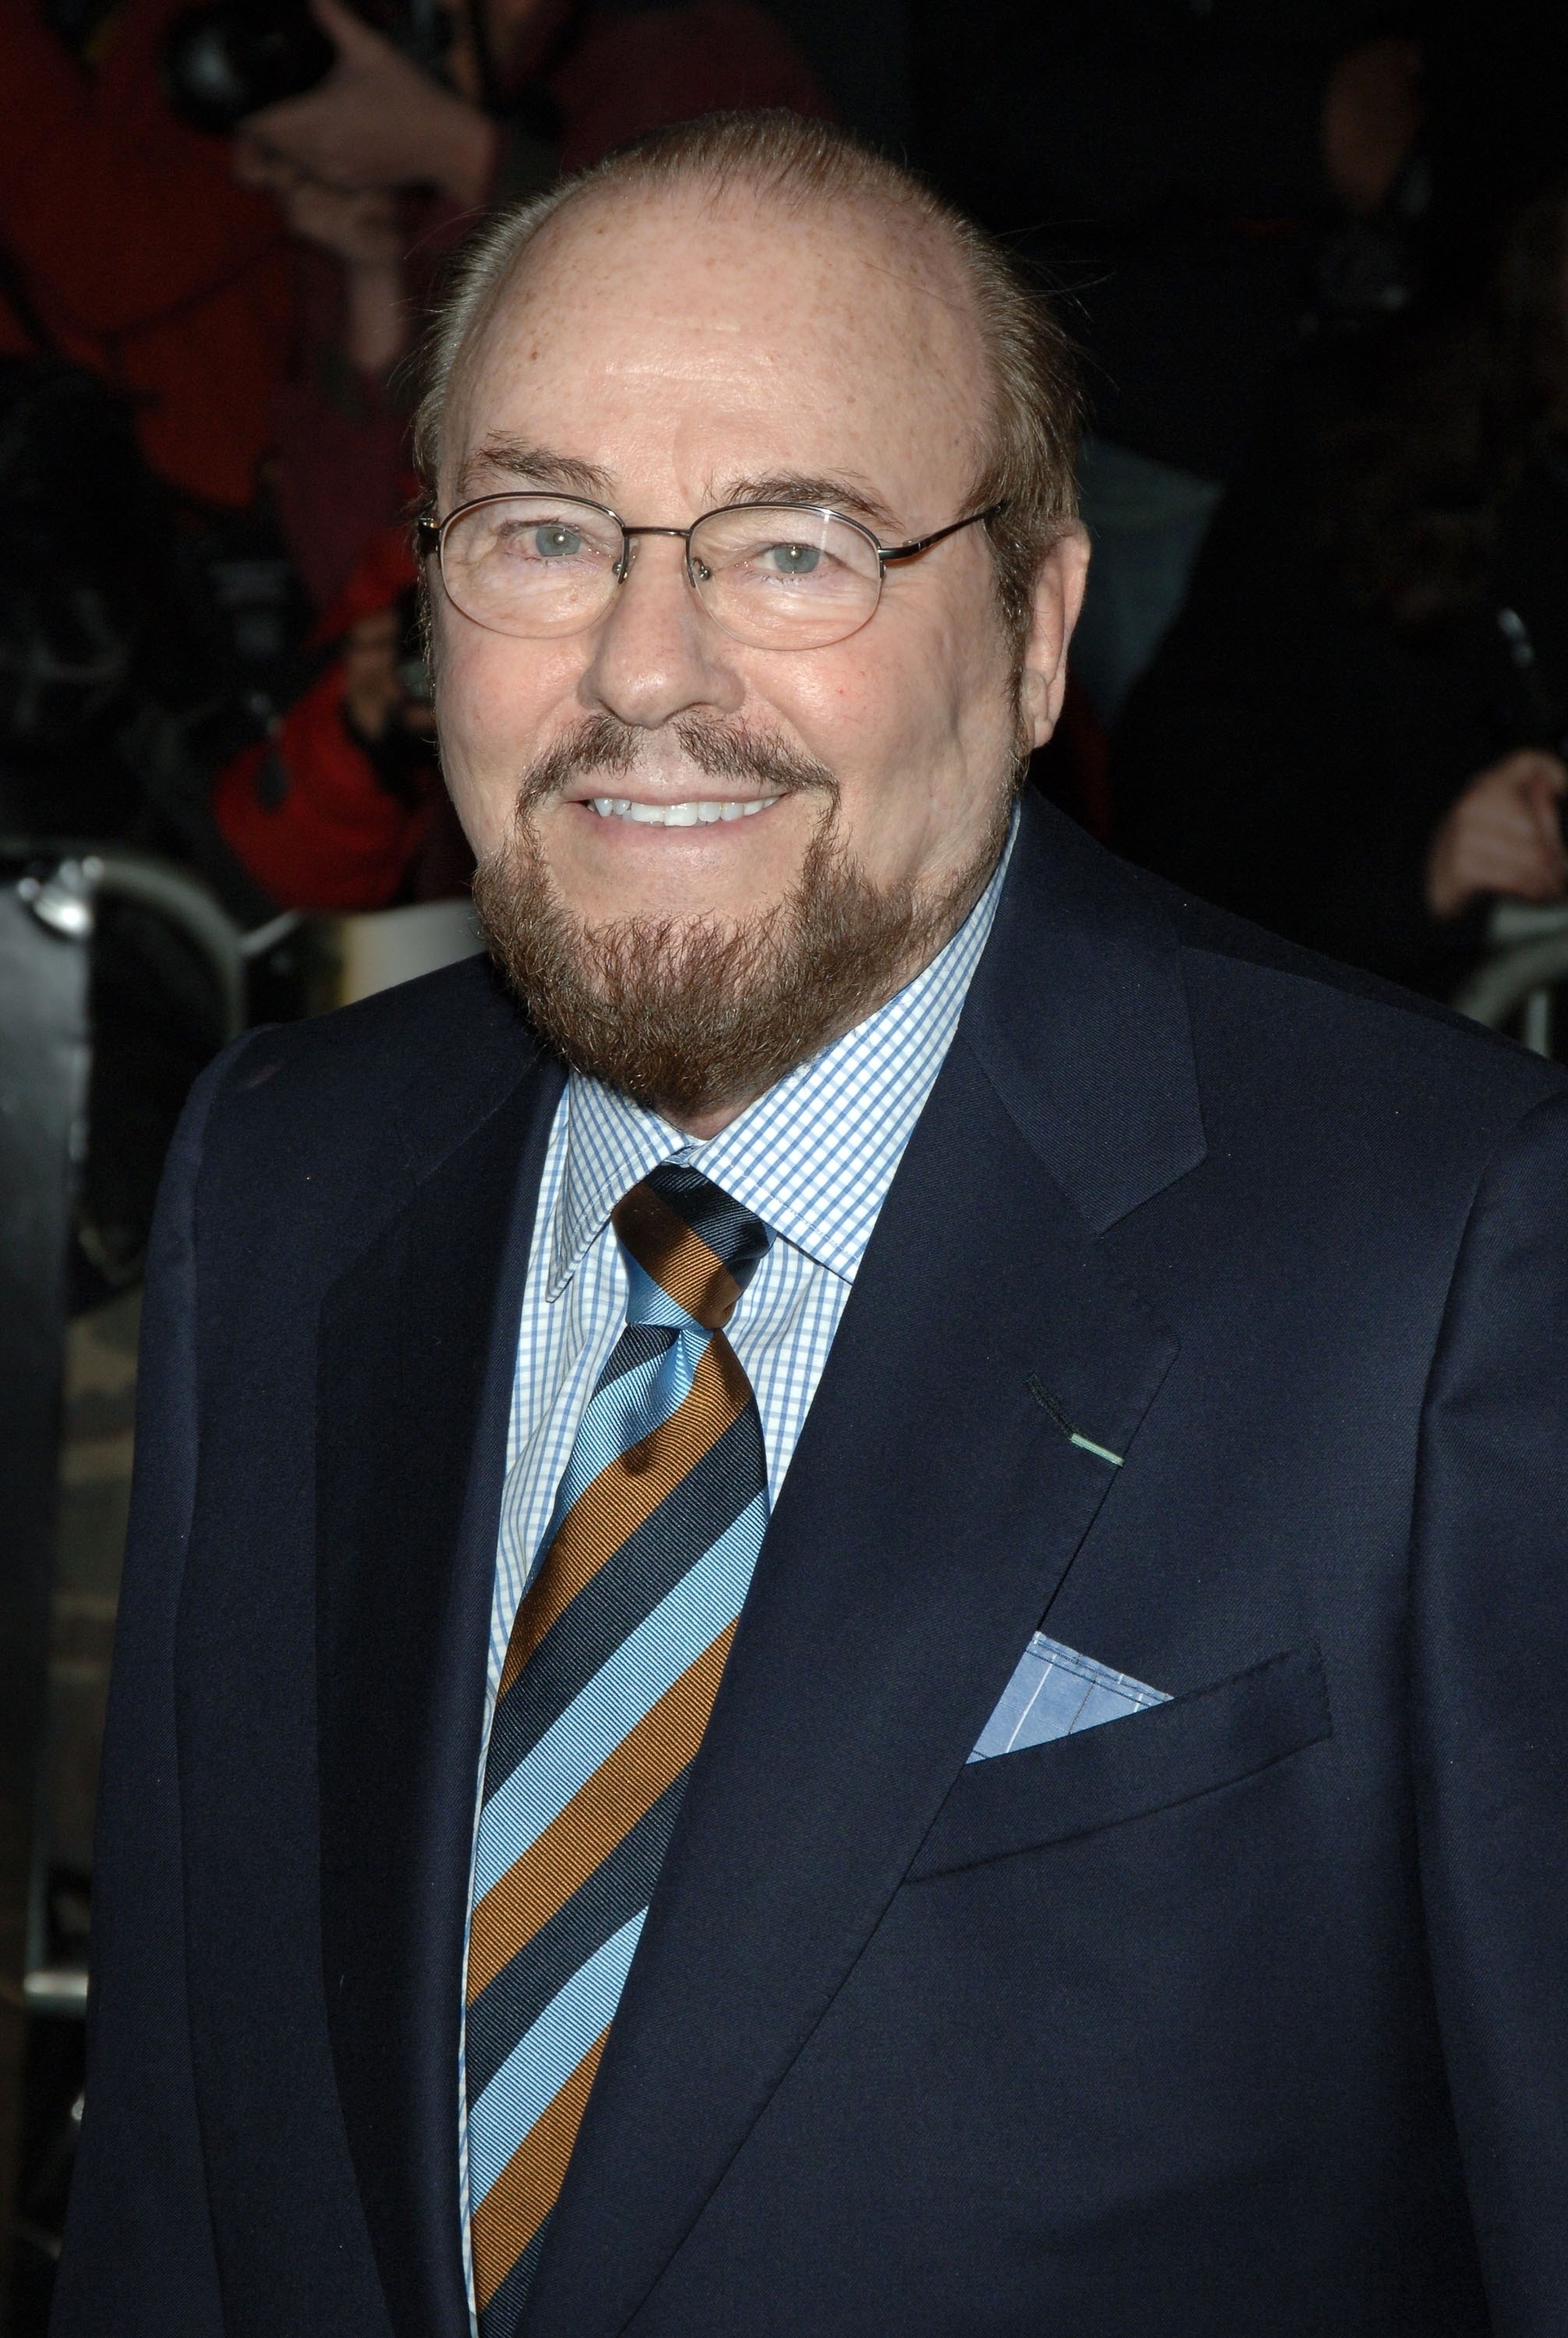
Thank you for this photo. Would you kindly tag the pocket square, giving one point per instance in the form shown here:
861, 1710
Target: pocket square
1055, 1692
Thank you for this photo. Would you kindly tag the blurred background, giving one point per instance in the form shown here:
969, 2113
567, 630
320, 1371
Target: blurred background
1315, 254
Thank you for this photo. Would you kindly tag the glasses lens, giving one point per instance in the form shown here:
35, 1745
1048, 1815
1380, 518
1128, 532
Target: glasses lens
530, 565
784, 578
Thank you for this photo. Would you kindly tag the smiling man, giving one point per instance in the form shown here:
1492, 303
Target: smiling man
848, 1606
721, 815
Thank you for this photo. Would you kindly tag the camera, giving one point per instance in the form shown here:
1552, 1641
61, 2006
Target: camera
227, 60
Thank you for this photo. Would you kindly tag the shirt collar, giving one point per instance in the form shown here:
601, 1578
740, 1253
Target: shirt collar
786, 1158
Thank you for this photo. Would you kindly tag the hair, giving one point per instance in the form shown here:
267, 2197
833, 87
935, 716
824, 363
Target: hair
1027, 455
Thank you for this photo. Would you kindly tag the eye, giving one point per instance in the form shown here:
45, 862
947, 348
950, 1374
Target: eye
548, 540
557, 540
792, 559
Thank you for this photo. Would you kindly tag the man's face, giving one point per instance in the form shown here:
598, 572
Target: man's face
667, 355
688, 355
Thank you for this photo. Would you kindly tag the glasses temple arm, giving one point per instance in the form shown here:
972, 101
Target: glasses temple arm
924, 543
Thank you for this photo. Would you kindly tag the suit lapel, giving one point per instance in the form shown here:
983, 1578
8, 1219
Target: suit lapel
932, 1508
417, 1351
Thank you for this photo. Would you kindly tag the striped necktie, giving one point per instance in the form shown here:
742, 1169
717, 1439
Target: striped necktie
610, 1677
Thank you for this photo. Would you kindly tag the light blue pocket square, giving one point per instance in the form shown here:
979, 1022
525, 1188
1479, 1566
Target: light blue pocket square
1054, 1693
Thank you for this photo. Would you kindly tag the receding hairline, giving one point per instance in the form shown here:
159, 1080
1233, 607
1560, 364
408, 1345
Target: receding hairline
1028, 406
871, 214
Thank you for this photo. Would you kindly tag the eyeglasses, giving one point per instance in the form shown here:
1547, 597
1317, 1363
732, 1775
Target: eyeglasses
781, 576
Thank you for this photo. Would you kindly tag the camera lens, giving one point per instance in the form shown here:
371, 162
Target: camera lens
228, 61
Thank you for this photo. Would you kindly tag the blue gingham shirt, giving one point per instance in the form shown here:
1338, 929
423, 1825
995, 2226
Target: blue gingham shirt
787, 1159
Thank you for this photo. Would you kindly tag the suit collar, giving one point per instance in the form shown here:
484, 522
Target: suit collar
1078, 1015
461, 1054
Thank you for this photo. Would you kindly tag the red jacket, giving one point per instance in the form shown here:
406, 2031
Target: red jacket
141, 256
304, 809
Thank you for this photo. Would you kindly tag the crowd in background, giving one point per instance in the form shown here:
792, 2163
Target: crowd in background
1314, 254
1354, 731
1313, 251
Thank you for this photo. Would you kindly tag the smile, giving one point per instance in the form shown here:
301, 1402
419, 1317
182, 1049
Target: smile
700, 813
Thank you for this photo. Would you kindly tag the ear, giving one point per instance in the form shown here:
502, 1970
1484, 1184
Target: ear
1058, 598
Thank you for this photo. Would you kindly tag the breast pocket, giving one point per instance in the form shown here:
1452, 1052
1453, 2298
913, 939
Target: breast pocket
1129, 1768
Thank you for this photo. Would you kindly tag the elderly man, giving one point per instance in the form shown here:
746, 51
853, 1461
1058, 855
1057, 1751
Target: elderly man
860, 1627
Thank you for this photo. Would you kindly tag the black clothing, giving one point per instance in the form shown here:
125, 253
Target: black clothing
1289, 756
1160, 164
1240, 2015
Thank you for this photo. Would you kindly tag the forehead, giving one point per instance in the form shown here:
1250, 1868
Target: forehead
682, 340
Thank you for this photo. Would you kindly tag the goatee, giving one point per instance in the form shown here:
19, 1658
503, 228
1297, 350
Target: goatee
691, 1016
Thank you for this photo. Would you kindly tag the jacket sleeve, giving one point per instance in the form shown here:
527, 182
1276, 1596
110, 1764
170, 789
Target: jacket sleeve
1489, 1690
139, 2259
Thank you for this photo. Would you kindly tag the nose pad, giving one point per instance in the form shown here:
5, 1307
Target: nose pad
695, 573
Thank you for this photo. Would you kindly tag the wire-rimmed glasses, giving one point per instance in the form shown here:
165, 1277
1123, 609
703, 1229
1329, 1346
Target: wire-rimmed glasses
781, 576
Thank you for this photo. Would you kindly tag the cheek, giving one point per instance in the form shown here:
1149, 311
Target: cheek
911, 716
498, 703
921, 736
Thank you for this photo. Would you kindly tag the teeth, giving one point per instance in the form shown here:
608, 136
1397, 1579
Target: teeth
700, 813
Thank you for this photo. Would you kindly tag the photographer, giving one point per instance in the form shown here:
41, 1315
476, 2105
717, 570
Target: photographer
383, 165
342, 808
128, 249
528, 85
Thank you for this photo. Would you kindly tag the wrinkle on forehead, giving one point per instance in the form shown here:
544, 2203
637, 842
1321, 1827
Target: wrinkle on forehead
688, 249
722, 291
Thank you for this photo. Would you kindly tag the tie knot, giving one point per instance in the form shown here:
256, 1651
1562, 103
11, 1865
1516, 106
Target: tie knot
690, 1239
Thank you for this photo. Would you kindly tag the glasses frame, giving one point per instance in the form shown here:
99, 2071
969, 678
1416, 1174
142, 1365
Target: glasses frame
430, 536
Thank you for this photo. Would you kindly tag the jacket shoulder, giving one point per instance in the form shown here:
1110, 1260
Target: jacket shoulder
331, 1121
1280, 1013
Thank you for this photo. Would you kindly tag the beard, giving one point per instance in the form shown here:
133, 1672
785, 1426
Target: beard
690, 1015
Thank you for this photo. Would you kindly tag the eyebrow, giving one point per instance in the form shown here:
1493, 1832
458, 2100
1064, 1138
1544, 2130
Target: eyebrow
539, 467
542, 466
807, 488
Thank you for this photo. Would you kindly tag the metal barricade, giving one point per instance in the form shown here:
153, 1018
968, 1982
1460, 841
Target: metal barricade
50, 898
1517, 987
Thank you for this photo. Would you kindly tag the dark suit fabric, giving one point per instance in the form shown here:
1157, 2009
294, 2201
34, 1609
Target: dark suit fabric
1243, 2015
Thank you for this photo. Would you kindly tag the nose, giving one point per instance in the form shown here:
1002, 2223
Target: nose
656, 656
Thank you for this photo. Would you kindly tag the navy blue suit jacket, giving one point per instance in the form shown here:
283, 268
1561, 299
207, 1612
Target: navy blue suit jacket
1247, 2014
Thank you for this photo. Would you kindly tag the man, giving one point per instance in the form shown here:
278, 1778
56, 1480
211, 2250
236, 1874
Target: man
887, 1661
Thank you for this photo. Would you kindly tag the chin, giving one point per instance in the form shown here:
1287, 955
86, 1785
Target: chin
686, 898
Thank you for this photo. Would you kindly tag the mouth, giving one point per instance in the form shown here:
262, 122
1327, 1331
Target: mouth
698, 812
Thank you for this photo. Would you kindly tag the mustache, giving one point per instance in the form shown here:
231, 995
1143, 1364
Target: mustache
718, 750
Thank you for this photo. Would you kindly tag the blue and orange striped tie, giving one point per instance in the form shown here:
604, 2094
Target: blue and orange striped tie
610, 1677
